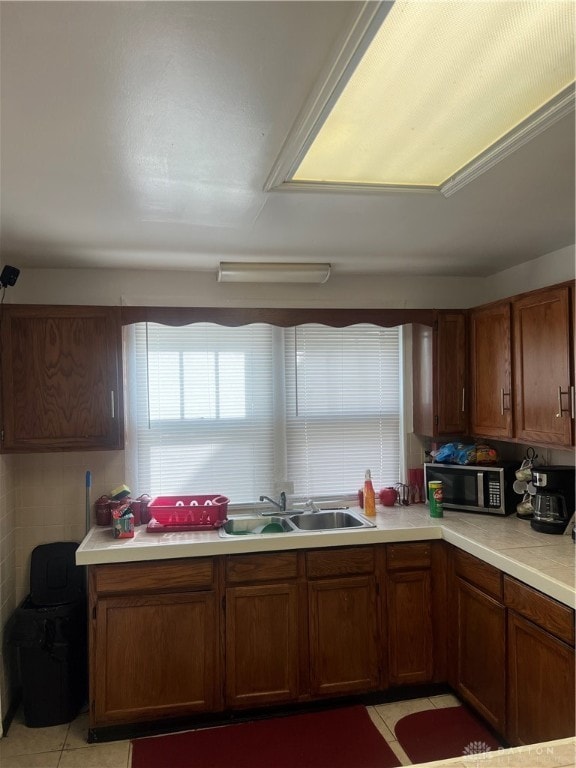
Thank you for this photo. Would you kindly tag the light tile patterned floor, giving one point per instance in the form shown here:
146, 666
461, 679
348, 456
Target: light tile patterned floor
64, 746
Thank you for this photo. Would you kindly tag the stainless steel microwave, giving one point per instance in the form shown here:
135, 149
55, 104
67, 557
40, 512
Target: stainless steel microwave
470, 488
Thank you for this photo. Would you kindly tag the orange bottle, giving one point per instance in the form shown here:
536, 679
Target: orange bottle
369, 496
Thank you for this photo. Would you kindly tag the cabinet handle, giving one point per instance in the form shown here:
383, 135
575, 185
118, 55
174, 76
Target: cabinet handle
463, 399
502, 396
562, 411
112, 404
572, 403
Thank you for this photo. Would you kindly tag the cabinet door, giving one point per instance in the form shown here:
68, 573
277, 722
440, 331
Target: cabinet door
61, 378
450, 374
541, 684
262, 648
343, 622
542, 383
439, 376
481, 644
490, 374
154, 657
410, 634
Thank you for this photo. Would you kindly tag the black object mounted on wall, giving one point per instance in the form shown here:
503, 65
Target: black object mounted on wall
8, 276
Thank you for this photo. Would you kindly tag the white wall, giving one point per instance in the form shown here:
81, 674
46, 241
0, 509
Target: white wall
556, 267
177, 288
189, 289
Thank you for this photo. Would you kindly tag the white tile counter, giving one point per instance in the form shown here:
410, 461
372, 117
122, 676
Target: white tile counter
545, 562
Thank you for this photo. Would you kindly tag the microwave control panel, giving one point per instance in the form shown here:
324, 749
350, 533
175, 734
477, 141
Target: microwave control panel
494, 499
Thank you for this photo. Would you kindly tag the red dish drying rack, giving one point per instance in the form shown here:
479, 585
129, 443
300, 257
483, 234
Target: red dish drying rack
187, 513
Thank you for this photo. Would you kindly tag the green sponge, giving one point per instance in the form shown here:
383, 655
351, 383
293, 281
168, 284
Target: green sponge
120, 493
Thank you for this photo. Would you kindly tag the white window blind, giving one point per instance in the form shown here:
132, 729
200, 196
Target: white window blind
241, 410
205, 410
343, 407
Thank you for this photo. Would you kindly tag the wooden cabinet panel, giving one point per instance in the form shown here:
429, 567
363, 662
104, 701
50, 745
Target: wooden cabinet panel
540, 684
481, 648
476, 571
154, 657
450, 374
343, 561
542, 381
412, 555
439, 376
343, 625
410, 634
549, 614
158, 576
243, 569
491, 371
262, 644
61, 378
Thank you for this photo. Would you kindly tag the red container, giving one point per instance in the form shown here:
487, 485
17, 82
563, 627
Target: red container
193, 512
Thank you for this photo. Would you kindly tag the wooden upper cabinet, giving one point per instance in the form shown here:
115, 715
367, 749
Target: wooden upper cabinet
491, 371
61, 378
543, 392
439, 376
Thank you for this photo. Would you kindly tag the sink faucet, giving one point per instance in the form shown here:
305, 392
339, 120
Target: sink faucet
313, 506
280, 505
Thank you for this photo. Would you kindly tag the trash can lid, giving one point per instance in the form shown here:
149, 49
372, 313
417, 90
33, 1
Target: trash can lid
54, 576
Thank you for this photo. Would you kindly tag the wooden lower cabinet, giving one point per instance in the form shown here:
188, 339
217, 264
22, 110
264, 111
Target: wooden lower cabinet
262, 644
343, 626
541, 684
178, 637
154, 657
481, 652
409, 602
541, 636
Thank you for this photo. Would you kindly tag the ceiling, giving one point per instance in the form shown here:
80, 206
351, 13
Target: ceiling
141, 134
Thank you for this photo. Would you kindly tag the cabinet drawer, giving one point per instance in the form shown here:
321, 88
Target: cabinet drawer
347, 561
417, 555
552, 616
250, 568
477, 572
175, 575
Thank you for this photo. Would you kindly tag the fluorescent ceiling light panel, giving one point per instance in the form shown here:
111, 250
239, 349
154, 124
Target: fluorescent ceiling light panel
254, 272
440, 86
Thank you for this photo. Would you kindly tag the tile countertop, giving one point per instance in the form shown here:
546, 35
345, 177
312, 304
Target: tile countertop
545, 562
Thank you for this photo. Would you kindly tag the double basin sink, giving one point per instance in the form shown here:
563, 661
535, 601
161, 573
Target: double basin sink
299, 522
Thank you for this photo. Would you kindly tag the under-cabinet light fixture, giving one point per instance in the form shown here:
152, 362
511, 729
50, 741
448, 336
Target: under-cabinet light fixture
268, 272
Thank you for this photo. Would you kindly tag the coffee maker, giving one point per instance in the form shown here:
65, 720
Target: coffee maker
554, 498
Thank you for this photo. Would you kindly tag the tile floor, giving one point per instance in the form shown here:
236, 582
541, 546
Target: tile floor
64, 746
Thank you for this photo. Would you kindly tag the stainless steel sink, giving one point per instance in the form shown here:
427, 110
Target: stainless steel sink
251, 526
293, 523
329, 521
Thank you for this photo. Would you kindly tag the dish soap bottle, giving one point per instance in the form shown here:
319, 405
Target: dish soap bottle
369, 496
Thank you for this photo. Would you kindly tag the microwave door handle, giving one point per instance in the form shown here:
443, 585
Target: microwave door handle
480, 488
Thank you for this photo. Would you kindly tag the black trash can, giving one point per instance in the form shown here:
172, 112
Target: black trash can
50, 632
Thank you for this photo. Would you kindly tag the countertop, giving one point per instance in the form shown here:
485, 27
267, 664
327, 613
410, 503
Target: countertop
545, 562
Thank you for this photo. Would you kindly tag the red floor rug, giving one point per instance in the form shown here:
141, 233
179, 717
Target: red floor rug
438, 734
337, 738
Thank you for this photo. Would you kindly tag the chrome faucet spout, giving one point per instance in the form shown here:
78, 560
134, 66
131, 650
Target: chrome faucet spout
280, 505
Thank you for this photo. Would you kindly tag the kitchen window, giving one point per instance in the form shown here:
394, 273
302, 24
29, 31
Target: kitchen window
256, 409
